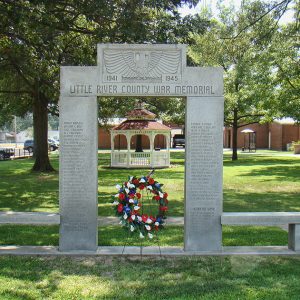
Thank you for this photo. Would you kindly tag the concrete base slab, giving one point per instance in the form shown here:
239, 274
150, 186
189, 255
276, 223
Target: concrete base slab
146, 251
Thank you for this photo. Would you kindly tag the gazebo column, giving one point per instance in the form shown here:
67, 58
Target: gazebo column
128, 138
112, 147
167, 137
151, 139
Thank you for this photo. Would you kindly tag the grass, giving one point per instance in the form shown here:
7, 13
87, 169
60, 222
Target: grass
260, 182
253, 183
265, 182
211, 278
114, 236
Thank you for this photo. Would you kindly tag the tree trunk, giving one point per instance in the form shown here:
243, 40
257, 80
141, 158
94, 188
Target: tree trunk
40, 133
234, 135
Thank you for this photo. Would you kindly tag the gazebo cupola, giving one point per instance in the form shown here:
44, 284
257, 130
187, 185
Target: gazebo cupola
140, 141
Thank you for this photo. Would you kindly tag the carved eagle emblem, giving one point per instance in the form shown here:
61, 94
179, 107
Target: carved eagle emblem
143, 65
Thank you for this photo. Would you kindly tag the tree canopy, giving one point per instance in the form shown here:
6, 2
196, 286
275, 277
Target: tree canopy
240, 41
37, 37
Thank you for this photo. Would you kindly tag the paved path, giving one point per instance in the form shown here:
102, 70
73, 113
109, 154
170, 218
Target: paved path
107, 221
145, 251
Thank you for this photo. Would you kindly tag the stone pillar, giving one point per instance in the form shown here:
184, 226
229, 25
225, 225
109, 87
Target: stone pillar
78, 174
203, 173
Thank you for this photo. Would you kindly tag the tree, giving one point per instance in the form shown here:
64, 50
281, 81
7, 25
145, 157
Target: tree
285, 58
167, 109
240, 43
39, 36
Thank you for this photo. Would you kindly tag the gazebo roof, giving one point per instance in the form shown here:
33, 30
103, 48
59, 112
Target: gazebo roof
141, 119
141, 125
140, 114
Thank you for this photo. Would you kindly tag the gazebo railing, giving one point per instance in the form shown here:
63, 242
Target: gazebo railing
119, 159
140, 159
161, 158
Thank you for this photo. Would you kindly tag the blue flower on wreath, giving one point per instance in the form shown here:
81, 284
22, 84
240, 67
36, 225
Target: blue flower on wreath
127, 210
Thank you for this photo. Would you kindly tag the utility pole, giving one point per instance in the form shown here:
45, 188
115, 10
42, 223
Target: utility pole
15, 129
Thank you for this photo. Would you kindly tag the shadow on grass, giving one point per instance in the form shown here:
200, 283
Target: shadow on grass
260, 161
254, 236
23, 190
272, 201
288, 173
23, 235
177, 278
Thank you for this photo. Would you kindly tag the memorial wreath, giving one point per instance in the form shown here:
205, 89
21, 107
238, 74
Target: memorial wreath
128, 205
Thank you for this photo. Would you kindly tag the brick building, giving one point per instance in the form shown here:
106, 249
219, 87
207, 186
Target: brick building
274, 136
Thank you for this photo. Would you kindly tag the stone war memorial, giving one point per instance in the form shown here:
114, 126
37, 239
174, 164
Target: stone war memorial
141, 70
145, 70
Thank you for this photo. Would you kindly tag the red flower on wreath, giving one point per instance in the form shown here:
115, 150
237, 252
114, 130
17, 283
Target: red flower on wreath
163, 208
121, 196
151, 181
135, 181
120, 208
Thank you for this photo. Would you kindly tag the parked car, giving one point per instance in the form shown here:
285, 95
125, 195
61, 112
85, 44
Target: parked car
52, 145
29, 145
6, 153
178, 139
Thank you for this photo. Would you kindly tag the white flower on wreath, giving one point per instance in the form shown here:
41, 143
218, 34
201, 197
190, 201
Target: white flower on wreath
149, 221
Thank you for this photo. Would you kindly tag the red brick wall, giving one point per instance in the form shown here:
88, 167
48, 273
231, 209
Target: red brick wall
103, 138
262, 133
276, 136
290, 133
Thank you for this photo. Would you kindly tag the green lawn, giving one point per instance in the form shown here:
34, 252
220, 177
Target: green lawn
253, 183
116, 236
266, 182
261, 182
210, 278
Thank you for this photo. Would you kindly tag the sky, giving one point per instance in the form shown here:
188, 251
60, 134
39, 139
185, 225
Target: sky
286, 18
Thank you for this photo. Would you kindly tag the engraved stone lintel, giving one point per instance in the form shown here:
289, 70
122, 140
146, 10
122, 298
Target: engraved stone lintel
88, 81
141, 63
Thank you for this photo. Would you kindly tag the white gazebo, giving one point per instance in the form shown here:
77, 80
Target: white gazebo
140, 141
